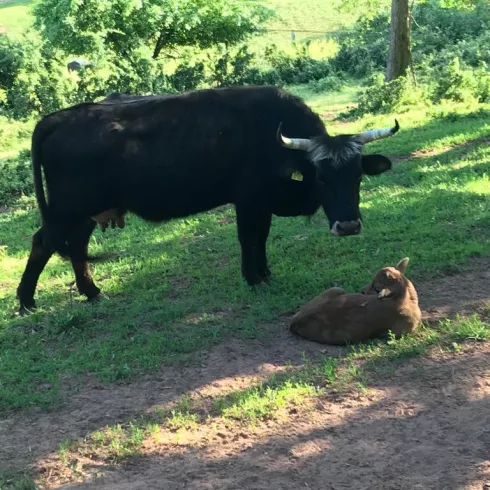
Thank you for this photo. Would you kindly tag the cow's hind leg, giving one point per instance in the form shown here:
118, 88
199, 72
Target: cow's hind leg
38, 258
78, 243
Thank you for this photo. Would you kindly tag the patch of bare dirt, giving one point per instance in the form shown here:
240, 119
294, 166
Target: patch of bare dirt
462, 294
426, 427
468, 145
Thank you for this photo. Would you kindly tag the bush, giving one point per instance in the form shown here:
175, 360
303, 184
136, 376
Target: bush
300, 67
454, 83
436, 27
382, 97
233, 67
439, 34
33, 80
13, 134
331, 83
364, 49
16, 178
187, 76
458, 82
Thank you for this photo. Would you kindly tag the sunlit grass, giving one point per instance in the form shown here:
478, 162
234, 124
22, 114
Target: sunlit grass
15, 16
176, 289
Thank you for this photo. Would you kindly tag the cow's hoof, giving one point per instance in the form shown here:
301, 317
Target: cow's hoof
98, 298
257, 283
26, 309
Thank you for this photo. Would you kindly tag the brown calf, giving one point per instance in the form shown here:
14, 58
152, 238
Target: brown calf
388, 302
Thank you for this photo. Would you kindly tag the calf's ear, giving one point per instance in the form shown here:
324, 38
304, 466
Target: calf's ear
375, 164
402, 265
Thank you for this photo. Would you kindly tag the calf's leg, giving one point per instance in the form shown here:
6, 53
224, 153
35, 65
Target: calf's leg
38, 258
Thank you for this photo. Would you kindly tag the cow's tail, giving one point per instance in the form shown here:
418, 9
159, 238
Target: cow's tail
54, 238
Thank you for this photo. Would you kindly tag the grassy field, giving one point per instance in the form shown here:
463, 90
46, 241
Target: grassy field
176, 289
15, 16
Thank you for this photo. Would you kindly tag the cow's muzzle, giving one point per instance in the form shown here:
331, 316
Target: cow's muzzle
346, 228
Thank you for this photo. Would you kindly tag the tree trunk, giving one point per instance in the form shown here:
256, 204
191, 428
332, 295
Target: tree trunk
399, 52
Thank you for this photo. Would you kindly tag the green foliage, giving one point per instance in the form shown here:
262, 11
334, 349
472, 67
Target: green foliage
13, 135
16, 481
457, 82
364, 49
295, 68
454, 83
32, 78
126, 26
334, 82
187, 76
230, 66
437, 27
380, 97
16, 178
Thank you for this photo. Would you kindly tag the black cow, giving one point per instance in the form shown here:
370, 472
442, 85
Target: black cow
167, 157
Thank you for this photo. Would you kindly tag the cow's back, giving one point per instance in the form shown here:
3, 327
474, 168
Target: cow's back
171, 156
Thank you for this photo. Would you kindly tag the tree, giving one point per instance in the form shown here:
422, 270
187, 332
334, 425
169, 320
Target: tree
125, 27
399, 50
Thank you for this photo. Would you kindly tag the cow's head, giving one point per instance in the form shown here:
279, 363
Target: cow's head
340, 166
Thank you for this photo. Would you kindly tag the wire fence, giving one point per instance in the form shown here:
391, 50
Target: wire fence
292, 32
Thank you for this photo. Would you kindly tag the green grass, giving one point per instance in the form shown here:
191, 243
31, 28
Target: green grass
16, 481
176, 289
15, 16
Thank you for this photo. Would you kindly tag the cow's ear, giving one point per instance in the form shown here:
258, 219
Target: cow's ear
375, 164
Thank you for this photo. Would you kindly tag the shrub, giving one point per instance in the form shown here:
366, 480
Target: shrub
187, 76
454, 83
34, 79
233, 66
296, 68
364, 49
16, 178
384, 97
436, 27
328, 84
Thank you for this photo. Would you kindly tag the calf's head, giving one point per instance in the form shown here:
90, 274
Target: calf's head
389, 282
340, 166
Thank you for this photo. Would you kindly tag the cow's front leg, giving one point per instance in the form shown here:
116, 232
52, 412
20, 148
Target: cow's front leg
264, 226
249, 225
78, 243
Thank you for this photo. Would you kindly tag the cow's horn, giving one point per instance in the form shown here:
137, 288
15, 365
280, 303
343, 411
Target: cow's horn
292, 143
377, 134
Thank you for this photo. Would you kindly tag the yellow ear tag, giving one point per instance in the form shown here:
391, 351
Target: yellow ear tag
297, 176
